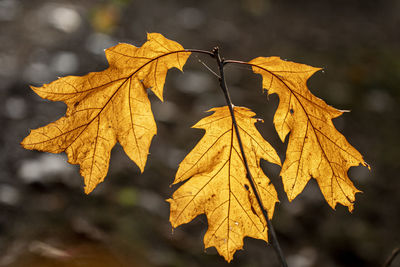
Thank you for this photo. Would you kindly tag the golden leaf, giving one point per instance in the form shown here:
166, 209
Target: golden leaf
218, 185
108, 106
315, 149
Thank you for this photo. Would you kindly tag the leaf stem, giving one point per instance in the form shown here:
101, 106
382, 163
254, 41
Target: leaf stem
200, 52
222, 82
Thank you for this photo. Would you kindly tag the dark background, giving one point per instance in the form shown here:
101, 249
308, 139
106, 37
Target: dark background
47, 220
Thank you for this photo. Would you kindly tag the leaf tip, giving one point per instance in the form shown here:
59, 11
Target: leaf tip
228, 259
366, 165
351, 208
142, 168
34, 88
290, 197
153, 35
88, 190
23, 142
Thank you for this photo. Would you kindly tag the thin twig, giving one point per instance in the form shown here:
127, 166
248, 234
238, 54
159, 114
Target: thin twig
222, 82
208, 68
389, 261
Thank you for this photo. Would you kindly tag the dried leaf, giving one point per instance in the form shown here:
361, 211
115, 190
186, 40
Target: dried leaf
218, 186
315, 149
108, 106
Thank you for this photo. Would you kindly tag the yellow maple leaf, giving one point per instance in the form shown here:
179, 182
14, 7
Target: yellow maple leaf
108, 106
315, 149
218, 185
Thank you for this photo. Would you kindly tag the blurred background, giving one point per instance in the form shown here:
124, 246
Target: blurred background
47, 220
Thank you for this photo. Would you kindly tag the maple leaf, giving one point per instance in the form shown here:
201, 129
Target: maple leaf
108, 106
218, 185
315, 149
